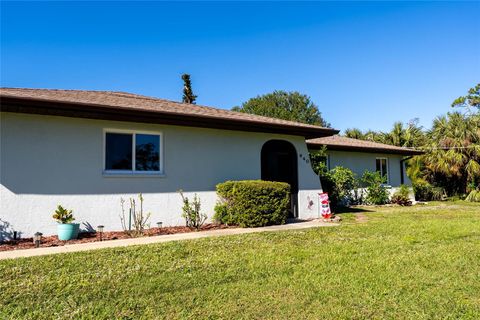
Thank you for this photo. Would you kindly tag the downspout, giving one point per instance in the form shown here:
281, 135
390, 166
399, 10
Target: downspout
402, 179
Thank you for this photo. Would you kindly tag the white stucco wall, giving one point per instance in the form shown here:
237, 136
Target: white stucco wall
48, 160
359, 162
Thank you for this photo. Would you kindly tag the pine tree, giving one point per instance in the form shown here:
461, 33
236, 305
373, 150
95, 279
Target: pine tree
188, 96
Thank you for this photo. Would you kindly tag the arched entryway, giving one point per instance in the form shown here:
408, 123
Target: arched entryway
279, 163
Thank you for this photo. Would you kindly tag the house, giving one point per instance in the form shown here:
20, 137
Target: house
360, 156
88, 149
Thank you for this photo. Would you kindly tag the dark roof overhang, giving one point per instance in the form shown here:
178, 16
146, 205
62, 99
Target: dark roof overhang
106, 112
405, 151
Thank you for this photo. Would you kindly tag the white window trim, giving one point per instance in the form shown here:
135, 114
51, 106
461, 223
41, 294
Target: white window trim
388, 169
133, 172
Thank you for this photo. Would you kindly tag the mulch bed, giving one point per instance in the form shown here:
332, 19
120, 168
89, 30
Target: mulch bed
84, 237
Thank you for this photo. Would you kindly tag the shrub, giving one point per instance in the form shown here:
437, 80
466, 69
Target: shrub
138, 217
252, 203
424, 191
341, 185
222, 215
191, 212
438, 193
318, 160
377, 194
473, 196
402, 196
63, 215
345, 183
328, 185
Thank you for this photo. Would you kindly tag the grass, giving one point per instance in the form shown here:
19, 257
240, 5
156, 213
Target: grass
418, 262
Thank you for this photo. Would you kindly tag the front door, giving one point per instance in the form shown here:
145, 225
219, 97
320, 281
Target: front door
279, 163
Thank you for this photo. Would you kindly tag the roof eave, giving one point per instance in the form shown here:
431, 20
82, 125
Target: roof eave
406, 152
106, 112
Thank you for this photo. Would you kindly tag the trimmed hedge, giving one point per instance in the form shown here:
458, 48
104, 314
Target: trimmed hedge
252, 203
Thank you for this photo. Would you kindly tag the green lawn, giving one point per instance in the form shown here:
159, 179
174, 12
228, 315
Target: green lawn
420, 262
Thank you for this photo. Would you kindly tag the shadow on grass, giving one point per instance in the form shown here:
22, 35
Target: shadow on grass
295, 220
351, 210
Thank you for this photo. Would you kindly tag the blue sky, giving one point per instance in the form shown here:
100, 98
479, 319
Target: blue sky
365, 65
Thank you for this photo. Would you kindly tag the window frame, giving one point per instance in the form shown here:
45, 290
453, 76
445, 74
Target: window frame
133, 172
387, 173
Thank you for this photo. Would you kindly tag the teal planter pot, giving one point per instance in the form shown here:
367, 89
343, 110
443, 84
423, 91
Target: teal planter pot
68, 231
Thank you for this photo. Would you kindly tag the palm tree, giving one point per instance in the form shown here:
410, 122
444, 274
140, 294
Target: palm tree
414, 135
453, 155
410, 136
354, 133
374, 136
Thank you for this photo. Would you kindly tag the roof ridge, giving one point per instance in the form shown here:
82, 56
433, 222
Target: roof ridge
54, 89
120, 93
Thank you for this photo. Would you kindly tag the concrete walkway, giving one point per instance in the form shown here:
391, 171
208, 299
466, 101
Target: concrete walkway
158, 239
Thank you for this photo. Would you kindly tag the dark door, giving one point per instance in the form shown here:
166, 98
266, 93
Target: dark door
279, 163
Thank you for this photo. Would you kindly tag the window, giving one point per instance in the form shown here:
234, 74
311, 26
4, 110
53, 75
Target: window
118, 151
382, 167
129, 152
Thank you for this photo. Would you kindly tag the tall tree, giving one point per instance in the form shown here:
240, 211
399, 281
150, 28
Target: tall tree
472, 99
292, 106
453, 153
188, 96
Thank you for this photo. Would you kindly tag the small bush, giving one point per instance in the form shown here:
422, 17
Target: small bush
252, 203
402, 196
377, 194
341, 185
473, 196
345, 183
424, 191
191, 212
63, 215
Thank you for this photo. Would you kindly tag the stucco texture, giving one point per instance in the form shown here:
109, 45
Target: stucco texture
48, 160
359, 162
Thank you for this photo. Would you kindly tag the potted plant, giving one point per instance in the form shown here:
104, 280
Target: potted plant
66, 229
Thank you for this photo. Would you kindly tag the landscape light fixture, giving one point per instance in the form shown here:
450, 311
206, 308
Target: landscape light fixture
159, 224
37, 239
100, 231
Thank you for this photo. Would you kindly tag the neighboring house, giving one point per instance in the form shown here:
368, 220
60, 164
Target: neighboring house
87, 149
360, 156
